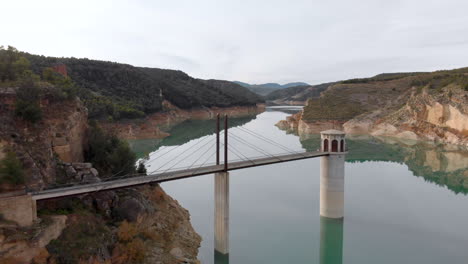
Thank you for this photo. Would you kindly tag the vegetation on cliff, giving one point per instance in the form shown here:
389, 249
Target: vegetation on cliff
266, 88
110, 155
11, 169
298, 93
115, 90
384, 92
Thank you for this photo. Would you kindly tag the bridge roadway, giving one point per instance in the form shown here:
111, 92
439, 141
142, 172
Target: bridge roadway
168, 176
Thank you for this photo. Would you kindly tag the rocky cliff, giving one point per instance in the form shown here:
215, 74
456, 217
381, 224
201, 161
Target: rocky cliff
61, 134
156, 125
136, 225
427, 106
441, 116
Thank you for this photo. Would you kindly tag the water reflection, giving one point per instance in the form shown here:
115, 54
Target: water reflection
284, 109
183, 133
394, 217
444, 165
331, 240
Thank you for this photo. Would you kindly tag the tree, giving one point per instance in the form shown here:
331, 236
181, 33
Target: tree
11, 170
141, 168
109, 154
20, 66
27, 98
12, 64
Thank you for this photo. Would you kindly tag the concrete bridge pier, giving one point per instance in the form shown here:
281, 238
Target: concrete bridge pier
332, 174
221, 216
19, 208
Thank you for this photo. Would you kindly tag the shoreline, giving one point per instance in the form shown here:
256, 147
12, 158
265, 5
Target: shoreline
154, 126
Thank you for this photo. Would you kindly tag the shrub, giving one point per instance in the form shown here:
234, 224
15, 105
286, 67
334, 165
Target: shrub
127, 231
28, 95
141, 168
30, 112
109, 154
11, 170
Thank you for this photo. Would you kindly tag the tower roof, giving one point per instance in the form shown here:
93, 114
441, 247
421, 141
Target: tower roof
332, 132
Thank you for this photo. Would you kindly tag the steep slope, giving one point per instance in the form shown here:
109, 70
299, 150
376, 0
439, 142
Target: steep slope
430, 106
143, 89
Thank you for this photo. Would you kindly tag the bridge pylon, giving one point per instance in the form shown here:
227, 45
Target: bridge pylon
221, 213
332, 171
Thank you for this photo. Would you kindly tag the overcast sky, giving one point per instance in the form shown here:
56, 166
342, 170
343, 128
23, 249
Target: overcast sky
254, 41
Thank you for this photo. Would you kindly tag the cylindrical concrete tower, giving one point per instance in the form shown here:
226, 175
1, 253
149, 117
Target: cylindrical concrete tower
222, 213
332, 174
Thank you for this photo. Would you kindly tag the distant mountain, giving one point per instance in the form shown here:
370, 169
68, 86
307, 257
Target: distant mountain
266, 88
297, 94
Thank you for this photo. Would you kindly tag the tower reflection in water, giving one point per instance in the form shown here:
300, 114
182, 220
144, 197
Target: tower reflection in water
221, 239
331, 240
331, 229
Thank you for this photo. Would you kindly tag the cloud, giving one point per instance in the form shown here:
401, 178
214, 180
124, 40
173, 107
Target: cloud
254, 41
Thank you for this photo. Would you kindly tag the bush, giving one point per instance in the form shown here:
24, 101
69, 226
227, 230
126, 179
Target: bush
11, 170
28, 95
30, 112
141, 168
109, 154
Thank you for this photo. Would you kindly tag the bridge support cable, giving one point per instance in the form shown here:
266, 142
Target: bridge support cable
191, 147
187, 156
226, 127
217, 139
204, 153
236, 152
256, 135
252, 146
162, 155
204, 162
258, 149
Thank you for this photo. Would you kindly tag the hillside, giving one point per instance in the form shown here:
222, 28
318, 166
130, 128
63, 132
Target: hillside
296, 94
125, 91
431, 106
266, 88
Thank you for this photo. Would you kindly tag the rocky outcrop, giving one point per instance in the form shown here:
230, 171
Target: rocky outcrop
140, 225
440, 116
154, 125
51, 152
61, 133
29, 245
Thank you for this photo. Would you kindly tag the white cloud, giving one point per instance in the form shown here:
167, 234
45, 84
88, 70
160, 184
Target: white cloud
253, 41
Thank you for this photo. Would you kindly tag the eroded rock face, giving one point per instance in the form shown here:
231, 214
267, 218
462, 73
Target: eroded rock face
151, 126
144, 212
28, 245
441, 117
61, 132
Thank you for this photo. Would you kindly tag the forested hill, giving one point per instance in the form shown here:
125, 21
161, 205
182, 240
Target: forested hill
266, 88
118, 90
298, 93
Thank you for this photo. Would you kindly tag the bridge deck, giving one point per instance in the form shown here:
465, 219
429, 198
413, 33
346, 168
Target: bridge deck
168, 176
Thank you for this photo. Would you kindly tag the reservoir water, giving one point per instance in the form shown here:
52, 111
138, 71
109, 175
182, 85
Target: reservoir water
405, 201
